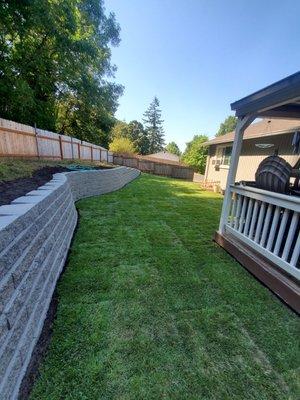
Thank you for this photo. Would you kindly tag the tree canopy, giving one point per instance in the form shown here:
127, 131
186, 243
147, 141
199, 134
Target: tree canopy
135, 132
55, 61
122, 145
146, 139
173, 148
195, 153
120, 129
139, 137
154, 127
227, 126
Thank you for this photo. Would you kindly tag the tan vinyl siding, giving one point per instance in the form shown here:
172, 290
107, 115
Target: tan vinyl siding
251, 156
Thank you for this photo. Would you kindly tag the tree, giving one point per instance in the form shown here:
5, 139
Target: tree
227, 126
120, 130
122, 145
195, 153
135, 132
139, 137
154, 127
173, 148
55, 59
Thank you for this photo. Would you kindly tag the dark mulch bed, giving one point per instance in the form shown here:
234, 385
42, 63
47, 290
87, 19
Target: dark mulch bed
10, 190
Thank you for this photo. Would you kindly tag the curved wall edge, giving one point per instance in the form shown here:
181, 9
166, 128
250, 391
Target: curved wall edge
35, 235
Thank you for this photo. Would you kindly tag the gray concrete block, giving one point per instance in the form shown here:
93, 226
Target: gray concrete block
22, 293
8, 388
40, 246
3, 329
11, 343
7, 289
15, 209
12, 230
6, 220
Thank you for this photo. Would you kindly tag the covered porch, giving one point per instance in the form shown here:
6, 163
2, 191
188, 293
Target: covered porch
261, 228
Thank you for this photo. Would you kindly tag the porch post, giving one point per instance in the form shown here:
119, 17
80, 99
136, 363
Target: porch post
242, 124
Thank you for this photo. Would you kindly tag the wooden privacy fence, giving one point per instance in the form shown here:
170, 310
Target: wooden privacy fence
19, 140
155, 167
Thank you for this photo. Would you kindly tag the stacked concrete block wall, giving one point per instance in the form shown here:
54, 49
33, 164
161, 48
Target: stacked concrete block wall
89, 183
35, 235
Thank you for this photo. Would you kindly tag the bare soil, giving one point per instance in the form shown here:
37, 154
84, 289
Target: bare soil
11, 190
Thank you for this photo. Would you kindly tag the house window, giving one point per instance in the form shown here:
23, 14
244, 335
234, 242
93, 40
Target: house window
224, 155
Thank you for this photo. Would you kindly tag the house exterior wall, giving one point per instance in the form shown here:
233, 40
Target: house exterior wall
250, 158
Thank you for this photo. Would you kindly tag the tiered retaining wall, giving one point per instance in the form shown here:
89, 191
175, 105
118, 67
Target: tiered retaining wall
35, 235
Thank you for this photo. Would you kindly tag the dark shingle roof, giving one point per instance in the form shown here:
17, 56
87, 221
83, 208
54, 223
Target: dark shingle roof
266, 127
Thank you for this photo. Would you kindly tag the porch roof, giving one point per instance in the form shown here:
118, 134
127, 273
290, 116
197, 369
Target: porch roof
279, 100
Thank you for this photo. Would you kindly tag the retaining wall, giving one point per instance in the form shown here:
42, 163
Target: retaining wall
35, 235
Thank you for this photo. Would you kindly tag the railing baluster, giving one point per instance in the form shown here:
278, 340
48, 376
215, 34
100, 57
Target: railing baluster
296, 252
266, 225
253, 221
245, 202
239, 204
273, 228
233, 210
259, 222
269, 223
290, 237
248, 216
281, 232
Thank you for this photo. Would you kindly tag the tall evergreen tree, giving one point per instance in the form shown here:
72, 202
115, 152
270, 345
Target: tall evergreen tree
154, 127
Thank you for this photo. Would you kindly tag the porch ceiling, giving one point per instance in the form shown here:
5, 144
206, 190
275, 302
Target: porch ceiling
279, 100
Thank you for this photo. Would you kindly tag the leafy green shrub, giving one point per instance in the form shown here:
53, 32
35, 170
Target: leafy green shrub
195, 153
122, 145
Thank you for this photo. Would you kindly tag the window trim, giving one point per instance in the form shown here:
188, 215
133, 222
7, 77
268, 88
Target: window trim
218, 149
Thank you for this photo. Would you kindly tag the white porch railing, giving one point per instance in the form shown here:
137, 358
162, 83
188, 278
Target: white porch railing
269, 223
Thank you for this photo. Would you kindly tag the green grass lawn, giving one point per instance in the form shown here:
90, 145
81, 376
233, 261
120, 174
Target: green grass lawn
151, 308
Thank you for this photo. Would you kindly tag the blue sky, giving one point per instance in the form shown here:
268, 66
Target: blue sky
198, 56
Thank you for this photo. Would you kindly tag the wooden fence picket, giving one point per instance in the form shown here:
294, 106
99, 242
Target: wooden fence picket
19, 140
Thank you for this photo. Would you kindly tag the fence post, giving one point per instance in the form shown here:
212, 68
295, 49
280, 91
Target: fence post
36, 141
78, 150
92, 153
61, 149
72, 147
